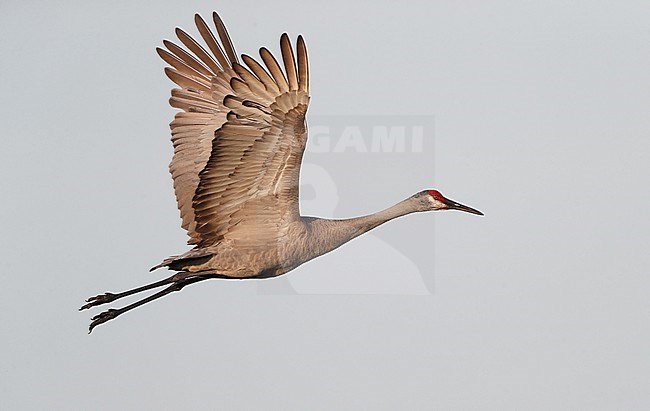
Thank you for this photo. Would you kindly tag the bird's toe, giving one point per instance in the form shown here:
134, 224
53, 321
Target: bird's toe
98, 300
102, 318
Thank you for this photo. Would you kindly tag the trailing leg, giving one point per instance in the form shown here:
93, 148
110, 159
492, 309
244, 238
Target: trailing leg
110, 297
176, 286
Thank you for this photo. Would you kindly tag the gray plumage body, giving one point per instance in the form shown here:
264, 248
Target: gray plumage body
301, 240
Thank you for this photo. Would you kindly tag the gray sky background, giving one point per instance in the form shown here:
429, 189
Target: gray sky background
541, 121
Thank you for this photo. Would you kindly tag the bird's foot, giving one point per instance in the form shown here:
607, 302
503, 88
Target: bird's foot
102, 318
99, 300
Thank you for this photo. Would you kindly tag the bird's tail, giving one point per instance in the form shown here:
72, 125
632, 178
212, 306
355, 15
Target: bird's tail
165, 263
185, 261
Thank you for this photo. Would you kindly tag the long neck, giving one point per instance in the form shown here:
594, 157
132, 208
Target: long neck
330, 234
368, 222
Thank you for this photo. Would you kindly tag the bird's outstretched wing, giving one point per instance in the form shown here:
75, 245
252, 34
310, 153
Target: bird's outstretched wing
239, 142
204, 83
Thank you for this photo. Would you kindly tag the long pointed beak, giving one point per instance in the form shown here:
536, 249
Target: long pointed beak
460, 207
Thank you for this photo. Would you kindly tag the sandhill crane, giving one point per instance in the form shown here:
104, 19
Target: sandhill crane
238, 144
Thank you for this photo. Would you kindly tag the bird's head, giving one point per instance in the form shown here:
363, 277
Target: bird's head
435, 201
